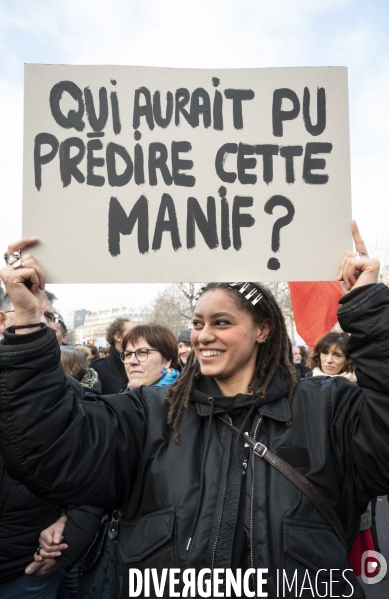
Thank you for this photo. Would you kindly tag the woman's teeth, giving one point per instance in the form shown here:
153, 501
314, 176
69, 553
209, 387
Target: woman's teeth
210, 352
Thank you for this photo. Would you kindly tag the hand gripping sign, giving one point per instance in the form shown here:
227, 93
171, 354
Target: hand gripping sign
161, 175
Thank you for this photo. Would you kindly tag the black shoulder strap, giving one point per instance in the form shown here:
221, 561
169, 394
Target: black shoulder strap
322, 505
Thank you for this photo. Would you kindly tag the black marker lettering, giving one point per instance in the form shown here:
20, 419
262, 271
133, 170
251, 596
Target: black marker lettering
240, 220
267, 151
170, 225
205, 224
144, 110
203, 107
321, 111
74, 117
280, 115
237, 96
218, 111
117, 127
225, 224
246, 163
311, 164
159, 119
220, 159
97, 123
68, 164
180, 164
114, 179
158, 161
182, 99
40, 140
92, 161
225, 219
288, 152
139, 174
121, 224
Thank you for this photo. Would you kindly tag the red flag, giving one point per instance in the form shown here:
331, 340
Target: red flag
315, 306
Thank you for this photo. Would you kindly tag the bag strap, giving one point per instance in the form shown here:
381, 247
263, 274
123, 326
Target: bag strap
322, 505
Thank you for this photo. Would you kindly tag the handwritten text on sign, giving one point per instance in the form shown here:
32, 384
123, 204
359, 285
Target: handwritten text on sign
144, 174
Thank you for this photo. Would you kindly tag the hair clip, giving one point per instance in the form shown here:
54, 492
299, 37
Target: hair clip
253, 296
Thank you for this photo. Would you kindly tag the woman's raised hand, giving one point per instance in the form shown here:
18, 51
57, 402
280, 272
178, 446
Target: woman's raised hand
25, 284
356, 268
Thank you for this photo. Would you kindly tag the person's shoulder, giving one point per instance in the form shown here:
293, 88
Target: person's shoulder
75, 386
152, 397
307, 372
98, 364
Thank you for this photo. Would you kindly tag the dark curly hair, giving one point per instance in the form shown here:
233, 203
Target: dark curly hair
277, 350
323, 345
117, 326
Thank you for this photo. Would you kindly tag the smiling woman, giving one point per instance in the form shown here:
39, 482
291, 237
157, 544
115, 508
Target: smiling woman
196, 496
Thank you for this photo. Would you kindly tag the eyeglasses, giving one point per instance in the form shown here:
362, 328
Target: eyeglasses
140, 354
51, 317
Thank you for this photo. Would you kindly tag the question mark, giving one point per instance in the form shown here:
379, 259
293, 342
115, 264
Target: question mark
273, 263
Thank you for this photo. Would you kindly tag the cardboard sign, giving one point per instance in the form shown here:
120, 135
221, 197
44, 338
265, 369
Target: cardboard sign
136, 174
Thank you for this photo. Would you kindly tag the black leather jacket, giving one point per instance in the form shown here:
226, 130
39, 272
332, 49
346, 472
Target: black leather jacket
119, 450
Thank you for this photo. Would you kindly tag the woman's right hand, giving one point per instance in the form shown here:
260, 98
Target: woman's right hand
24, 285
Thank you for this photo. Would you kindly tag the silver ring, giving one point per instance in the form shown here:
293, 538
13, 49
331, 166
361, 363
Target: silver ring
18, 264
38, 550
361, 255
10, 260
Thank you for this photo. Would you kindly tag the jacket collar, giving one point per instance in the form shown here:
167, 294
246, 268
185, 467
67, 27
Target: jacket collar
274, 405
114, 356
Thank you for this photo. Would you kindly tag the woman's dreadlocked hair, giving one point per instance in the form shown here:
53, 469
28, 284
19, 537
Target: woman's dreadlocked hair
277, 350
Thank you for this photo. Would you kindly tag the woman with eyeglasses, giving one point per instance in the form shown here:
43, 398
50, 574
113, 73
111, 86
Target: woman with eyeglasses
150, 356
200, 498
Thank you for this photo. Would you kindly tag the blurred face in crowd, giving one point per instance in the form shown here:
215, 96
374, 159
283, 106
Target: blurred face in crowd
225, 338
7, 318
184, 350
296, 355
61, 337
333, 361
147, 366
118, 337
89, 356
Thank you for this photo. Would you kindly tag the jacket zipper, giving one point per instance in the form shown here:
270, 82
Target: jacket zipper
252, 502
220, 518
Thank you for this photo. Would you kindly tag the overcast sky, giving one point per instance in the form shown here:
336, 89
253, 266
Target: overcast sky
203, 34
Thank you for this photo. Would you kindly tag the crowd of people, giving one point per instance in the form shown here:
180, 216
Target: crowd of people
146, 354
142, 427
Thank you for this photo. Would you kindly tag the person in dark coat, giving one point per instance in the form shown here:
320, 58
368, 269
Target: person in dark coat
74, 364
184, 346
301, 369
111, 371
23, 517
195, 497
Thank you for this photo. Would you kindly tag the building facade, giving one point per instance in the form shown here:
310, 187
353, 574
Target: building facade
90, 327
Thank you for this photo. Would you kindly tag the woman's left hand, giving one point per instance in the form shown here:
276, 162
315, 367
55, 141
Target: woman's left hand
356, 268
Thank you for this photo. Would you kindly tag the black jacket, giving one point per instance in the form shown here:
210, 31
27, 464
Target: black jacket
121, 450
23, 516
303, 371
111, 371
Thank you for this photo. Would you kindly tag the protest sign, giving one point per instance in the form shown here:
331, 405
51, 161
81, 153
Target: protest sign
138, 174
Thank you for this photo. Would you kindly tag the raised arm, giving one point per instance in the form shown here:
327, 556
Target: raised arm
62, 448
360, 424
